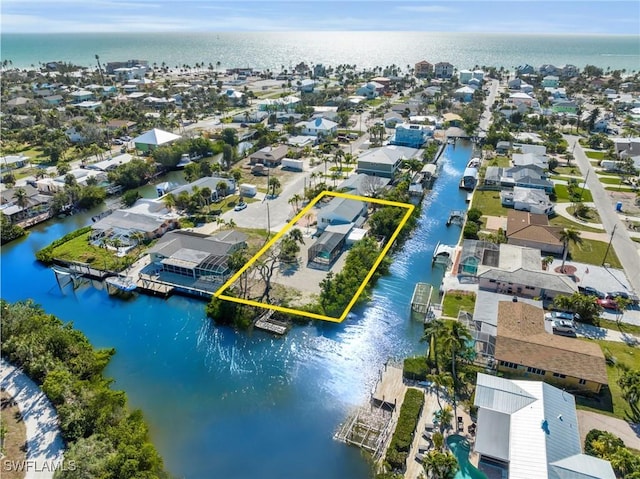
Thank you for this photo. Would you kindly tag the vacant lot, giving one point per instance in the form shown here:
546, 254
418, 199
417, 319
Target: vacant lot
593, 252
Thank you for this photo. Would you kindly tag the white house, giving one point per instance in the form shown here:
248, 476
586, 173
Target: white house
464, 76
530, 429
528, 159
385, 161
370, 90
320, 127
527, 199
521, 98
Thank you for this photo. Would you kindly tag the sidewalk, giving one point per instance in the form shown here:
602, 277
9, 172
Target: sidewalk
44, 441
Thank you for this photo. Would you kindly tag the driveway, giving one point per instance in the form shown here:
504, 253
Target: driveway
628, 432
44, 441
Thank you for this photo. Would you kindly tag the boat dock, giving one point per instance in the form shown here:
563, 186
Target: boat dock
265, 322
421, 299
389, 390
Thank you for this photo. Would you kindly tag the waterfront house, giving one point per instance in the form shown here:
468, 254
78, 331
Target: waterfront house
213, 183
148, 218
385, 161
533, 230
528, 429
526, 176
422, 69
525, 347
548, 69
525, 69
412, 135
341, 211
198, 257
443, 70
326, 249
153, 139
527, 199
539, 150
503, 147
270, 156
319, 127
452, 119
18, 209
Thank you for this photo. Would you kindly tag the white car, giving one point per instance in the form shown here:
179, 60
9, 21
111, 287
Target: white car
559, 315
240, 207
564, 326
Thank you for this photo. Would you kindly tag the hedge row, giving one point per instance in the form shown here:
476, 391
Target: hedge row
46, 254
405, 429
415, 368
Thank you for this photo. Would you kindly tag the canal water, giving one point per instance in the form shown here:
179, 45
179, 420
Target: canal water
237, 405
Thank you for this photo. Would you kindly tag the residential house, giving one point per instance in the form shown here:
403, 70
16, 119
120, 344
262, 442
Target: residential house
551, 81
18, 103
213, 183
522, 98
269, 155
527, 199
412, 135
478, 75
370, 90
525, 283
287, 103
526, 176
464, 76
233, 96
392, 119
363, 185
503, 147
530, 159
548, 69
53, 100
385, 161
124, 125
130, 73
198, 257
341, 211
556, 93
13, 162
525, 347
528, 429
565, 106
464, 93
328, 112
569, 71
525, 69
153, 139
326, 249
515, 83
18, 210
452, 119
306, 86
626, 146
110, 67
533, 231
320, 127
443, 70
475, 83
149, 218
423, 69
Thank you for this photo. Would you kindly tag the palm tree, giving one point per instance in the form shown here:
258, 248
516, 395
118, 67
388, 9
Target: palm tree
441, 381
21, 197
454, 337
440, 465
274, 184
169, 201
568, 235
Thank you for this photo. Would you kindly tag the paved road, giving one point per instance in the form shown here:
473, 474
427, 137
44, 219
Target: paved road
489, 101
44, 441
625, 248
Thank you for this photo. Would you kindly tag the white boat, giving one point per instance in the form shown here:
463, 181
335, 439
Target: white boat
474, 163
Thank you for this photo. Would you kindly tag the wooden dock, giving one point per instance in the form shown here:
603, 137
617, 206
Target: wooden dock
390, 388
267, 323
148, 286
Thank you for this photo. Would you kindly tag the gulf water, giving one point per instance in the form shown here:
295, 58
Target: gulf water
230, 404
278, 50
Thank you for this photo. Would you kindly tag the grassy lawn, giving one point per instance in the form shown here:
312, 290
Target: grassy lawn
560, 177
610, 180
610, 401
455, 300
567, 223
626, 189
622, 327
568, 170
79, 249
592, 252
596, 155
501, 161
489, 203
345, 169
562, 195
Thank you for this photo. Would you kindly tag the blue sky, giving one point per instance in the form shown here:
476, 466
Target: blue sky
515, 16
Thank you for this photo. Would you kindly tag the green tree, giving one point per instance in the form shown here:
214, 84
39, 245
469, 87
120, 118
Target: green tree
568, 235
274, 185
440, 465
432, 331
584, 306
629, 382
230, 136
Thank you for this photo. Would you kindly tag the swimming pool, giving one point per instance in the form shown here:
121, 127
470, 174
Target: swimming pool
460, 448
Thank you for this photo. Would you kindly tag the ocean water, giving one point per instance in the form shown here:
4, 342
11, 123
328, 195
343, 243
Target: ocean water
365, 49
237, 405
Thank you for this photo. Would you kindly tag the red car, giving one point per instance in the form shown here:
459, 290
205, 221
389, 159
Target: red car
608, 304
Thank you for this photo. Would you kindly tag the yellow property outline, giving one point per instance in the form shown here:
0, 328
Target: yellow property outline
385, 250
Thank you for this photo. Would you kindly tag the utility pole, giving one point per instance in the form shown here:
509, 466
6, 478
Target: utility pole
584, 184
609, 245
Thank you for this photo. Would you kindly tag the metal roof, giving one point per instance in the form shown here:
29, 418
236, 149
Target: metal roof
582, 466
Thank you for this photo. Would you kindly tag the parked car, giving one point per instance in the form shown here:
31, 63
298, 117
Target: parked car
560, 315
564, 326
240, 207
117, 141
589, 291
622, 294
608, 303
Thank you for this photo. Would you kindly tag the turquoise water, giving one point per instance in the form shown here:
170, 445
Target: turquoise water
460, 448
235, 405
286, 49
